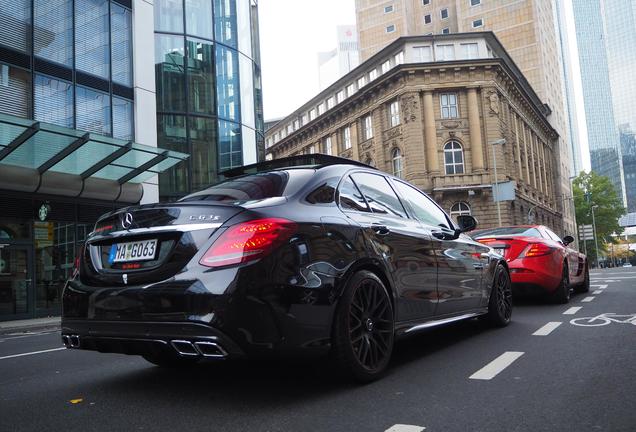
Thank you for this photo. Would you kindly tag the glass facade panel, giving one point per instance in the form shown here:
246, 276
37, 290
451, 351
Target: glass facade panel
244, 28
230, 151
247, 86
84, 157
47, 145
201, 76
199, 18
169, 15
227, 83
92, 36
54, 257
169, 73
203, 139
15, 91
172, 134
225, 30
93, 111
121, 44
15, 24
53, 101
53, 30
123, 119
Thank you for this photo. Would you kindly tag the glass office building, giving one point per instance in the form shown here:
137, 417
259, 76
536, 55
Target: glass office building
208, 88
68, 150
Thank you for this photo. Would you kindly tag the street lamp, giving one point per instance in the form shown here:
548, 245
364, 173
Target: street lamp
501, 141
595, 239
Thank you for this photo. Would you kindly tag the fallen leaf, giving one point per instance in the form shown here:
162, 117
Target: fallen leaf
76, 401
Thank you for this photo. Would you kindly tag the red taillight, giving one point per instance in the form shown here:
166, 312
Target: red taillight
248, 241
536, 249
76, 262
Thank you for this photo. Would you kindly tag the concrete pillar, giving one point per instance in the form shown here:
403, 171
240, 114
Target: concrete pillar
517, 145
474, 125
430, 134
355, 141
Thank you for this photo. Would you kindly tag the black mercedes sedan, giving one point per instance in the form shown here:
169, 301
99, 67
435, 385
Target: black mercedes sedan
307, 255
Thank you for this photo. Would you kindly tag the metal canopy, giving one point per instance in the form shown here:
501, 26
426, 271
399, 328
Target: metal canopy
47, 147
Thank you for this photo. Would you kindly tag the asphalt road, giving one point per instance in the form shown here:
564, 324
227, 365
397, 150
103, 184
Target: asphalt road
567, 377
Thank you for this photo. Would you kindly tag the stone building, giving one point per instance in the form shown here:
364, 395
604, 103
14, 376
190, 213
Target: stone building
528, 30
428, 109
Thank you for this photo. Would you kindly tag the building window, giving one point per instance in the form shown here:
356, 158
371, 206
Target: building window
445, 52
346, 138
361, 82
290, 128
123, 119
427, 19
373, 74
459, 209
321, 109
93, 111
54, 39
312, 149
16, 24
296, 125
331, 102
396, 157
303, 119
390, 28
388, 9
92, 38
475, 2
399, 58
368, 127
53, 101
386, 66
15, 91
351, 89
340, 96
328, 149
478, 23
444, 13
453, 158
423, 54
470, 50
312, 114
121, 44
394, 113
446, 30
448, 102
426, 2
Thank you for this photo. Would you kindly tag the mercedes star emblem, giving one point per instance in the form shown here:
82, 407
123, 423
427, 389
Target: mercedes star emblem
126, 220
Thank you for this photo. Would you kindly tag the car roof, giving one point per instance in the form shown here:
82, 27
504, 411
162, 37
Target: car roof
315, 161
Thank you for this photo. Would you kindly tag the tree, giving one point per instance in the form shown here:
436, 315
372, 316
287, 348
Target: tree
591, 189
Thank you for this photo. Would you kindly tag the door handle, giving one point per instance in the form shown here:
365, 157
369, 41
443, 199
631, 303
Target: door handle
380, 229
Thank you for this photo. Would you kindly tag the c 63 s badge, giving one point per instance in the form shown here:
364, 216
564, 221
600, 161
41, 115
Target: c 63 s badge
204, 217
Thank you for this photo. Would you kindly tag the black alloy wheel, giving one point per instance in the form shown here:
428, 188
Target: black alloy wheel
562, 293
585, 286
364, 328
500, 303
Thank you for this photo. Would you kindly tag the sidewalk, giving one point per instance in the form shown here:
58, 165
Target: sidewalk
29, 325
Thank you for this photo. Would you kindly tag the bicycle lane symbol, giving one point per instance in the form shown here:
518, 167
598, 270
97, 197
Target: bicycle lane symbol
604, 319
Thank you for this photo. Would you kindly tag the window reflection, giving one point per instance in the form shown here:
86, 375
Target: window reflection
53, 101
171, 133
92, 37
121, 49
122, 118
93, 111
199, 18
227, 83
225, 22
203, 138
169, 73
230, 153
53, 30
201, 76
16, 25
15, 91
169, 15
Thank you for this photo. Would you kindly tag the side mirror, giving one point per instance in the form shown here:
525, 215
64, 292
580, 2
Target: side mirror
466, 223
567, 240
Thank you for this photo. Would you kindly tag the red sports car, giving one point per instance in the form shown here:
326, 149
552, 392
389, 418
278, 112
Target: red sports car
539, 260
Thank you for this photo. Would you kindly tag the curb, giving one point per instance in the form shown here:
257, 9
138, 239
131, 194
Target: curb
27, 328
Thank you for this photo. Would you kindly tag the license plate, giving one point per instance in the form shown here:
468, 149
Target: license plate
143, 250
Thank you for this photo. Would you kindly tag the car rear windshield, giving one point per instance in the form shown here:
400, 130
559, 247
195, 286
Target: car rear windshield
508, 231
254, 187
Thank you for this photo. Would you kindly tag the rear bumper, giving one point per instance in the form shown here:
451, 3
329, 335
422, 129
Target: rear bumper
138, 338
528, 280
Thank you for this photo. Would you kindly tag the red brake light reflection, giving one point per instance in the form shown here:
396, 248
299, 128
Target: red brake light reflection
536, 249
248, 241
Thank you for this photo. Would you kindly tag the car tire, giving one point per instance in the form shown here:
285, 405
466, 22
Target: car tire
585, 286
562, 294
169, 360
363, 330
500, 302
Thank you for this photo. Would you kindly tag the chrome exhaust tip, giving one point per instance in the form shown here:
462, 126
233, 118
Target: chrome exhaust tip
184, 348
66, 341
210, 349
74, 341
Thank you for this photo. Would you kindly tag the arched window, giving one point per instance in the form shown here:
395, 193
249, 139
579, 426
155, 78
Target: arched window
396, 156
459, 209
453, 158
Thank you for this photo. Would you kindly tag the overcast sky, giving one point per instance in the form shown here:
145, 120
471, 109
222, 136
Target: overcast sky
292, 33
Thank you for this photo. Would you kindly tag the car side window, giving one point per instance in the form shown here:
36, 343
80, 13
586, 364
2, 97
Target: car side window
424, 209
351, 197
379, 194
552, 235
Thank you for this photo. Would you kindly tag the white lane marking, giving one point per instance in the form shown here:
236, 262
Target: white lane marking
597, 292
572, 310
10, 336
32, 353
615, 278
405, 428
599, 286
547, 329
493, 368
587, 299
